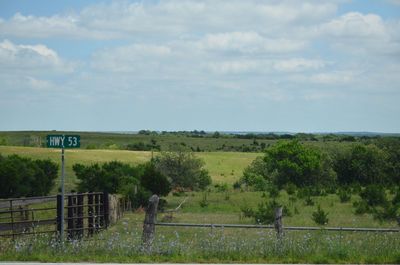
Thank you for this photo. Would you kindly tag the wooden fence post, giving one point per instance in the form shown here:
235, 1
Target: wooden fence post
149, 222
278, 222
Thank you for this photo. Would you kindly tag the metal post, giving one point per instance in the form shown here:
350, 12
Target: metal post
12, 218
62, 195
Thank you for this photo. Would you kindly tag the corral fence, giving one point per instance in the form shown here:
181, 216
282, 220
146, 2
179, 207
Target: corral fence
84, 214
150, 223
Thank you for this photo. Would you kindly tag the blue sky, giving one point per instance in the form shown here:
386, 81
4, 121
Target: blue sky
299, 66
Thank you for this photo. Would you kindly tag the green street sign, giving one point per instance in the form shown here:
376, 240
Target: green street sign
63, 141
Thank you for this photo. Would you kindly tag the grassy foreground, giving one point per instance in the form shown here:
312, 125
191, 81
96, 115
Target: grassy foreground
122, 243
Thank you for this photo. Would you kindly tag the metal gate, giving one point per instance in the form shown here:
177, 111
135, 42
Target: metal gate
85, 214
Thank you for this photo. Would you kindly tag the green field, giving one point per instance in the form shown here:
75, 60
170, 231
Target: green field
224, 167
122, 242
166, 142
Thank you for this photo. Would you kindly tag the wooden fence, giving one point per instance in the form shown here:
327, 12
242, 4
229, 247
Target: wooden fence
85, 214
150, 223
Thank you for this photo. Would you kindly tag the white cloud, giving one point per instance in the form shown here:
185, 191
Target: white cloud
298, 64
31, 58
237, 67
170, 18
61, 26
356, 25
249, 42
332, 78
358, 33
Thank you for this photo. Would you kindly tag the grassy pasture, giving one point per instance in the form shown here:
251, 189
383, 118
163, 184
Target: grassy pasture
108, 140
224, 167
225, 207
122, 243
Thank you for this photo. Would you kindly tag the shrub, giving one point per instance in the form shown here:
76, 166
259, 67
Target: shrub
290, 188
265, 213
361, 207
309, 201
21, 176
183, 170
204, 202
295, 163
273, 191
374, 195
154, 181
221, 187
396, 198
247, 211
363, 164
135, 183
237, 185
344, 195
106, 177
320, 217
256, 175
390, 212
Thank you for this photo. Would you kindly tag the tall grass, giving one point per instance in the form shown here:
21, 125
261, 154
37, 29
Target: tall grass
123, 244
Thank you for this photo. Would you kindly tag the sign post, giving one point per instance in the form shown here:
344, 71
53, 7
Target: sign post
63, 141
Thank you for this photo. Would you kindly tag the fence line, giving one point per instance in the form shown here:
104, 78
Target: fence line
89, 212
293, 228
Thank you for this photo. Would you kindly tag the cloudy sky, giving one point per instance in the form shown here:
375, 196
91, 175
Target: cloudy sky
299, 66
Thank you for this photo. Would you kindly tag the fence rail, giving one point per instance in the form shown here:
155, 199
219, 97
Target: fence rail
293, 228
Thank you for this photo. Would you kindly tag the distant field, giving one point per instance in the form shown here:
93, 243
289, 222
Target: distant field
224, 167
97, 140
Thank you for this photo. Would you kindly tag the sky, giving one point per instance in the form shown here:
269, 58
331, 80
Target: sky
290, 65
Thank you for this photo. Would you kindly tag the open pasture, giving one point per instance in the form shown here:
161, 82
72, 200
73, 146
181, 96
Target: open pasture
224, 167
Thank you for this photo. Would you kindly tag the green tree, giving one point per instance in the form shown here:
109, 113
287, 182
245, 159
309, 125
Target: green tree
183, 170
107, 177
292, 162
154, 181
391, 146
363, 164
21, 176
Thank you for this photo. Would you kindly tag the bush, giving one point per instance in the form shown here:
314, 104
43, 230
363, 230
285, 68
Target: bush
344, 195
183, 170
135, 183
390, 212
363, 164
204, 202
221, 187
295, 163
106, 177
361, 207
273, 191
26, 177
309, 201
320, 217
290, 188
247, 211
237, 185
256, 175
265, 213
154, 181
374, 195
